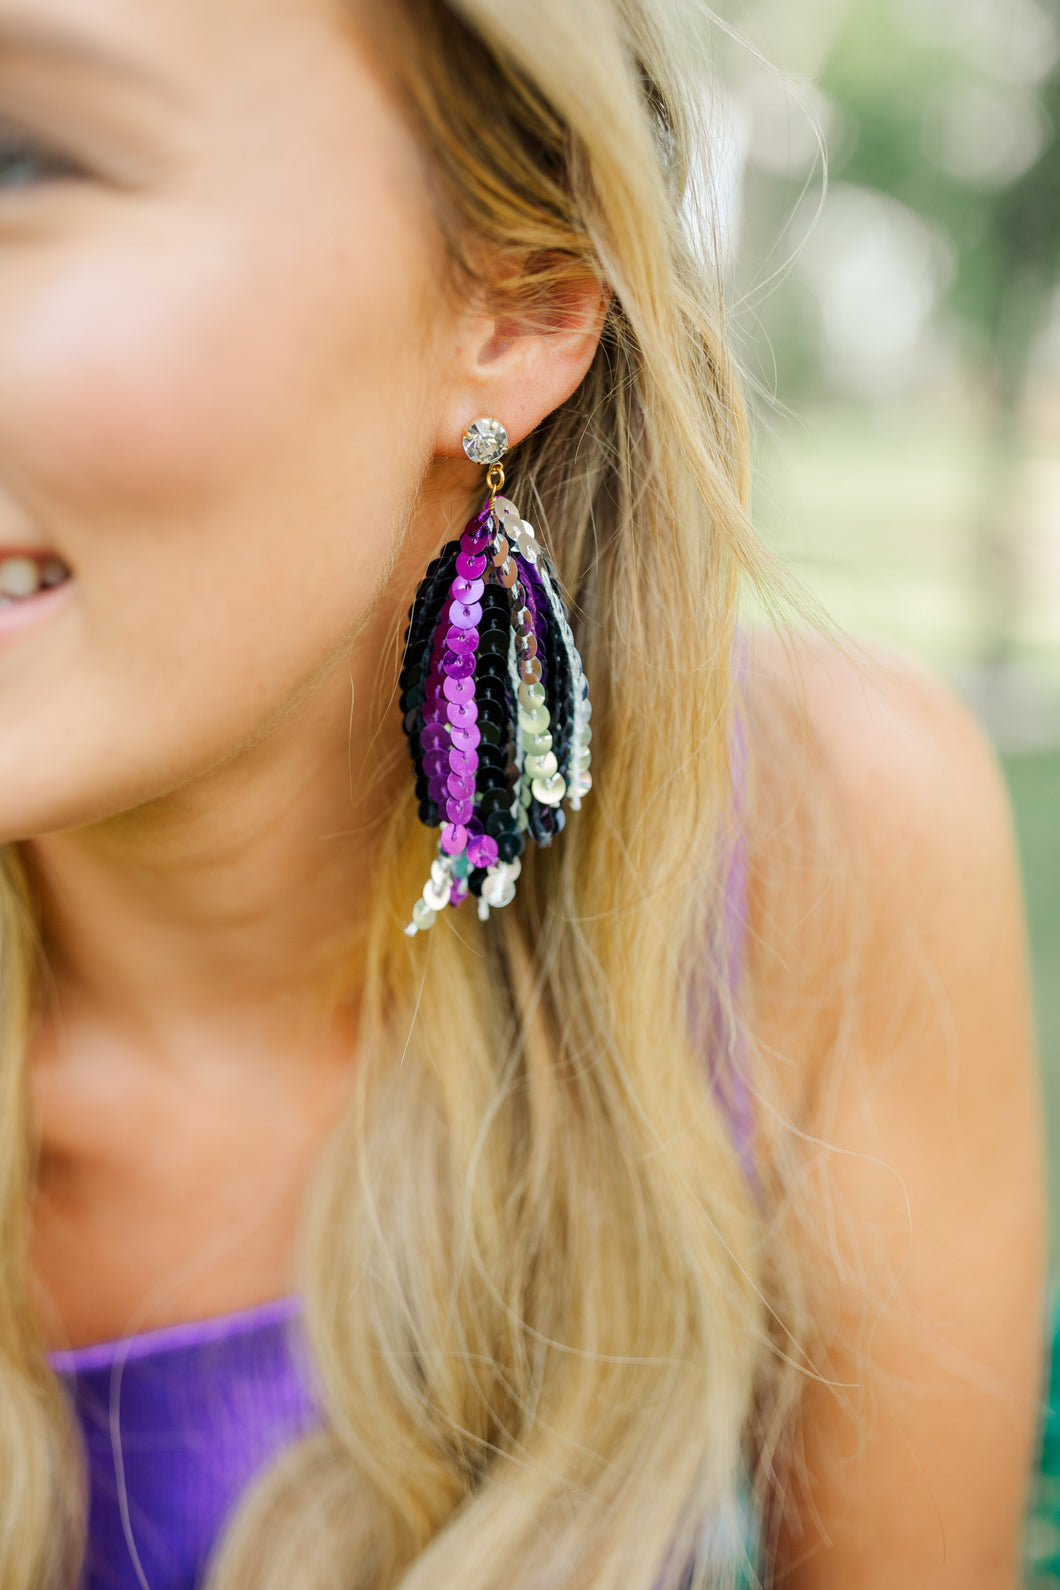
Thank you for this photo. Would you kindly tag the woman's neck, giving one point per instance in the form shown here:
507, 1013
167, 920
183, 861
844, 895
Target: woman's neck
187, 1065
223, 897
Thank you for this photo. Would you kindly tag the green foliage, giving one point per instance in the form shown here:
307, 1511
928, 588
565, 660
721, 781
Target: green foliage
889, 77
893, 73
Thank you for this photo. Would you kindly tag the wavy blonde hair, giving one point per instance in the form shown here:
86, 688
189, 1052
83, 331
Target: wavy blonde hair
539, 1288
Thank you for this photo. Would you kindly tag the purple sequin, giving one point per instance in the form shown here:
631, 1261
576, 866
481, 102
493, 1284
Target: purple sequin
465, 615
536, 600
454, 838
464, 763
459, 690
466, 737
471, 566
482, 850
462, 713
463, 641
458, 665
472, 542
466, 591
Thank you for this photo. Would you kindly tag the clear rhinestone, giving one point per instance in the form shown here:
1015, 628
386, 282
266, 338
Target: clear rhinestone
485, 441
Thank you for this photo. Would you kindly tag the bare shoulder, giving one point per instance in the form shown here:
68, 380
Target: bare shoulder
897, 1074
888, 738
880, 830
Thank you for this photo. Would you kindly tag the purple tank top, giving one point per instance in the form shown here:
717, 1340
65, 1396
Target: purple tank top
177, 1421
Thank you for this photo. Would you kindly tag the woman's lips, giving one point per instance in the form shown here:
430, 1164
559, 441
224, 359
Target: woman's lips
23, 575
33, 585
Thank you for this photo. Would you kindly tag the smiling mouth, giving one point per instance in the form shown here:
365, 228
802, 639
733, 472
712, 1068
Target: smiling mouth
24, 575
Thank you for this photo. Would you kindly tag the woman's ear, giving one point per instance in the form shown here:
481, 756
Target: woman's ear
518, 361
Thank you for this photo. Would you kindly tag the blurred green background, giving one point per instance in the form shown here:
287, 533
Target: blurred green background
899, 320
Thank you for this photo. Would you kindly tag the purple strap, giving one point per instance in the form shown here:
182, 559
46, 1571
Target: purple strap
728, 1060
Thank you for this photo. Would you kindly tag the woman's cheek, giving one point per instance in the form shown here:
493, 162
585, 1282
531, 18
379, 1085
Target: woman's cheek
147, 368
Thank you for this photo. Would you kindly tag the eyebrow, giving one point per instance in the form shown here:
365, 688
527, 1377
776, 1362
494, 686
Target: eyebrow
29, 35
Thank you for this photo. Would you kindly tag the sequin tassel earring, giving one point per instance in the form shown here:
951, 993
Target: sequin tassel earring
495, 700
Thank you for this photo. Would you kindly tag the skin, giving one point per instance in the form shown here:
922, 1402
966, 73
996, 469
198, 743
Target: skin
921, 1158
232, 391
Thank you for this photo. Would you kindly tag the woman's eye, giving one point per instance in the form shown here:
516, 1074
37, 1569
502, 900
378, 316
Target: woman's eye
25, 162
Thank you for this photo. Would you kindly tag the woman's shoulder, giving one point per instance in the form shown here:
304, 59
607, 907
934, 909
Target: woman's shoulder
879, 833
874, 721
900, 1108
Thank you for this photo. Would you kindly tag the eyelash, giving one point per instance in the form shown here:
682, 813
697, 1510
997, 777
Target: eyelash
34, 162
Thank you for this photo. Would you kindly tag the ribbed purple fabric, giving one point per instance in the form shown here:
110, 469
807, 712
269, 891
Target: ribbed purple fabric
176, 1423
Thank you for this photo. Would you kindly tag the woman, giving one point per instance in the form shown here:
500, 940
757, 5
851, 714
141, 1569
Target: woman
355, 1256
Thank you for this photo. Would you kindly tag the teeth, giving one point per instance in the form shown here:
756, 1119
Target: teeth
21, 577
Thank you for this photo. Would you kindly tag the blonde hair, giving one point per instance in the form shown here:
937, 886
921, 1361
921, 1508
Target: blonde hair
539, 1289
